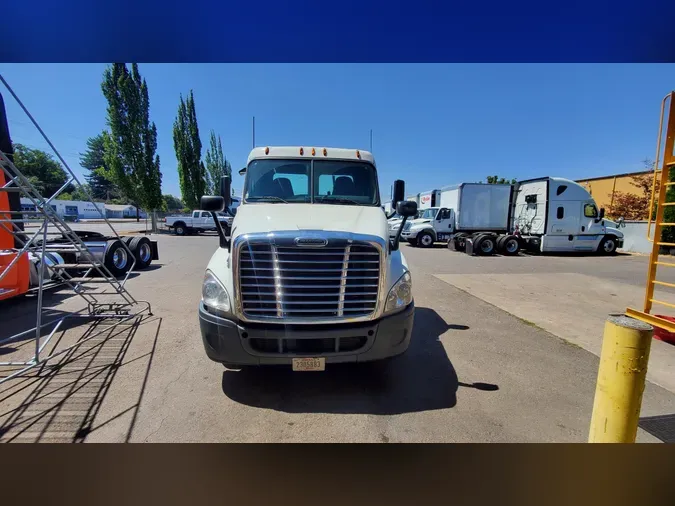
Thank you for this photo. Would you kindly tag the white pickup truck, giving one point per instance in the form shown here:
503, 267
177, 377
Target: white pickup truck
198, 221
310, 276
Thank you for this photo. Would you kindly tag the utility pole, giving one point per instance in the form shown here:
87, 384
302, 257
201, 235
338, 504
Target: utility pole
254, 131
371, 140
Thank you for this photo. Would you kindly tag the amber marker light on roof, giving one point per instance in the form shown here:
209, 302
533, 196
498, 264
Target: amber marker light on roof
325, 152
267, 151
358, 154
302, 151
313, 151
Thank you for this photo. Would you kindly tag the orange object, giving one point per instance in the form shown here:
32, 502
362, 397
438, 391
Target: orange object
16, 281
6, 239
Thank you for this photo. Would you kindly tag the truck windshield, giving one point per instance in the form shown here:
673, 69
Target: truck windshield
429, 214
318, 181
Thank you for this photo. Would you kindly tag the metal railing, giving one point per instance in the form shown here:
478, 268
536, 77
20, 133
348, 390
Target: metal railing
51, 235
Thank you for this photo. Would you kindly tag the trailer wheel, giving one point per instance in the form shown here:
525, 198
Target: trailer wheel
142, 250
499, 244
425, 240
608, 246
485, 244
116, 258
180, 228
510, 245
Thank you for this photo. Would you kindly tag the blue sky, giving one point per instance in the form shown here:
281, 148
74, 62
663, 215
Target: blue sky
433, 125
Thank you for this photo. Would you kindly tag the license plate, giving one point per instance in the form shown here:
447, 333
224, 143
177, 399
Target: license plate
309, 364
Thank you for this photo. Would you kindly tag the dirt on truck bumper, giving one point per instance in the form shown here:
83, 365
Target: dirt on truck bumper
239, 343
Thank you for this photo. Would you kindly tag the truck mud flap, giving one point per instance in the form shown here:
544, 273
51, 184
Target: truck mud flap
155, 250
469, 247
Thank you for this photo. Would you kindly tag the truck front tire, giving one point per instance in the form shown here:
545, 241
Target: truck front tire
425, 240
608, 246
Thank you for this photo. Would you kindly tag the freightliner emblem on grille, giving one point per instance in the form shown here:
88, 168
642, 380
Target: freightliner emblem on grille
310, 242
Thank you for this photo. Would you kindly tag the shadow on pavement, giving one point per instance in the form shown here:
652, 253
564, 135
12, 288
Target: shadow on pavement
422, 379
59, 401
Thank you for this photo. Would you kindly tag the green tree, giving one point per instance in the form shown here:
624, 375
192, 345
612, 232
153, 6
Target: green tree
41, 169
79, 193
93, 160
131, 162
188, 147
216, 165
499, 180
172, 203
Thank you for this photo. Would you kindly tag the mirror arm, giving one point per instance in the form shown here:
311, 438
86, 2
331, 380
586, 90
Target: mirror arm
224, 243
394, 244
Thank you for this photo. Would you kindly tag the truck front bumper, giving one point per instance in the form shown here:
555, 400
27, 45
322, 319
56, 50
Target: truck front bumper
409, 235
239, 343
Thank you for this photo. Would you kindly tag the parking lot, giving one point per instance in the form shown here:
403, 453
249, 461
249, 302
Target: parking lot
504, 349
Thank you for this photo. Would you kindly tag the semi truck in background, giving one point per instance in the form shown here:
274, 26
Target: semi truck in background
309, 275
76, 261
544, 215
424, 200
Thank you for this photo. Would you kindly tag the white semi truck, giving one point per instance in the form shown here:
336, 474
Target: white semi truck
545, 215
309, 275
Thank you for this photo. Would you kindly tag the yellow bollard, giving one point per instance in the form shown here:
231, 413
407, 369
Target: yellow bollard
621, 380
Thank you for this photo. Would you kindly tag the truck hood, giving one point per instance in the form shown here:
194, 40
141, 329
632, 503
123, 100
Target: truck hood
613, 230
252, 218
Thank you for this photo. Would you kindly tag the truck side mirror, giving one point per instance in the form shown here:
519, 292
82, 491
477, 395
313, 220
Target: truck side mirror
215, 204
212, 203
226, 191
398, 193
406, 208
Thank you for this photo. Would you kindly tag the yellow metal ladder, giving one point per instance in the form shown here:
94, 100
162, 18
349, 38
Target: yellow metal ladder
667, 115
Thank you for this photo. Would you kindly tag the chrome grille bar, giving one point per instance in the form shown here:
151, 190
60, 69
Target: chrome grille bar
277, 279
280, 307
343, 281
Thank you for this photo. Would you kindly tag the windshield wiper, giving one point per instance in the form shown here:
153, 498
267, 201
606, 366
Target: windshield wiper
267, 198
337, 200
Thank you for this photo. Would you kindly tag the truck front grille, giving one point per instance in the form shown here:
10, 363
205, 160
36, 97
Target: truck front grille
340, 280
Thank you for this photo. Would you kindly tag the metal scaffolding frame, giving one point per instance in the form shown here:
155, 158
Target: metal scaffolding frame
108, 299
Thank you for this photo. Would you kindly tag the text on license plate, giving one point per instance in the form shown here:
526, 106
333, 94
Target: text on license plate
309, 364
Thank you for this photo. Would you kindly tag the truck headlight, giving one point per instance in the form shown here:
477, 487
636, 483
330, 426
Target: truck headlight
400, 294
214, 294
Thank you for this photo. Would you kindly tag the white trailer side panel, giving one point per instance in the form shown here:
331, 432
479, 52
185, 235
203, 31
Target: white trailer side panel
530, 217
450, 198
484, 207
426, 199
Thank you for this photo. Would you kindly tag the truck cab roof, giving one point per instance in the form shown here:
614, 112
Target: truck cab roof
302, 152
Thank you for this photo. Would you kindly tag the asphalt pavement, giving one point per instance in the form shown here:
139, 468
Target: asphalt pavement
473, 373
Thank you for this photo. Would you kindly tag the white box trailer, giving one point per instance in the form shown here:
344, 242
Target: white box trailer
478, 206
429, 199
547, 215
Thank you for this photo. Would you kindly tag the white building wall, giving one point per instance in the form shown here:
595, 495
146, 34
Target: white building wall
83, 209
